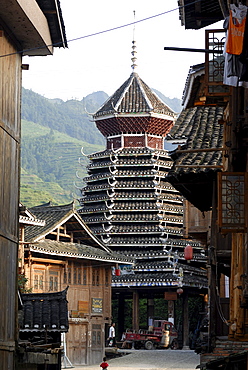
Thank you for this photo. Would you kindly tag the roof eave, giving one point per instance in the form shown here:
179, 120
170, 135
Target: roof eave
28, 25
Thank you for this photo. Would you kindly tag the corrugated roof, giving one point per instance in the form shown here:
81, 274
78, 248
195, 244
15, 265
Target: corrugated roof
134, 96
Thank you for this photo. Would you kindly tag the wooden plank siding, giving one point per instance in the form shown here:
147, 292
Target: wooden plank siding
87, 281
196, 224
10, 84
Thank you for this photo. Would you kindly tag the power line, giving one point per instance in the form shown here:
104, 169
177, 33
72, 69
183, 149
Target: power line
102, 32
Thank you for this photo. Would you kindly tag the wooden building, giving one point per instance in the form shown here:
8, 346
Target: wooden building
43, 318
213, 161
26, 28
64, 253
131, 207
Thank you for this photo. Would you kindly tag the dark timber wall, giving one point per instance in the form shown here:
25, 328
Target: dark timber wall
10, 83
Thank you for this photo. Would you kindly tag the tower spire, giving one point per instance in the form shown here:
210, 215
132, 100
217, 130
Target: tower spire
134, 65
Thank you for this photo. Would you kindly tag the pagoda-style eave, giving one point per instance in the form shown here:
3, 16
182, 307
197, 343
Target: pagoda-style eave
166, 165
113, 114
176, 230
157, 283
130, 152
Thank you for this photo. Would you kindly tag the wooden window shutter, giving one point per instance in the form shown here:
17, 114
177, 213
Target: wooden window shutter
232, 201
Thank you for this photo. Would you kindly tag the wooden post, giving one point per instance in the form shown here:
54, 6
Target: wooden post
212, 275
121, 314
135, 310
171, 311
150, 308
237, 316
185, 319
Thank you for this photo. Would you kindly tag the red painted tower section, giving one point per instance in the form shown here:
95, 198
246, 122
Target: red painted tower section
134, 116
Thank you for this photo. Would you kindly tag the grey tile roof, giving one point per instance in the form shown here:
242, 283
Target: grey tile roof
52, 215
195, 169
73, 250
201, 128
27, 218
134, 96
193, 85
159, 278
55, 216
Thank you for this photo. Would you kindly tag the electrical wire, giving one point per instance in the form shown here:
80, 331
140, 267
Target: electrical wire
102, 32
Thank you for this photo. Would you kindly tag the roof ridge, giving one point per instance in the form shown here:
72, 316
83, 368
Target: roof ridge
49, 207
130, 80
140, 83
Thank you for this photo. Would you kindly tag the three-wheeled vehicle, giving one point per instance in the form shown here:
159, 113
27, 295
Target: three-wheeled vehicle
162, 334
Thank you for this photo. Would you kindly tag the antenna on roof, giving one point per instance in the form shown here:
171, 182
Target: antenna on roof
134, 65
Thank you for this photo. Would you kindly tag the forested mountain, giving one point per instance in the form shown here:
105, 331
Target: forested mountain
70, 117
53, 133
174, 103
50, 164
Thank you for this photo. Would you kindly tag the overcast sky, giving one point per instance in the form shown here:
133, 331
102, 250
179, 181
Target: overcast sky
102, 62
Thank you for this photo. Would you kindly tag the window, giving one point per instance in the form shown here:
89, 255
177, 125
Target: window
53, 281
106, 277
96, 335
232, 201
39, 280
95, 276
84, 276
69, 275
65, 275
77, 274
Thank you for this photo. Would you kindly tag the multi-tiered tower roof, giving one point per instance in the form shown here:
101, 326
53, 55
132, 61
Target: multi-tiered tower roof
127, 201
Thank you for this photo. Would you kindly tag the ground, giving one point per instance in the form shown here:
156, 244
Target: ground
152, 360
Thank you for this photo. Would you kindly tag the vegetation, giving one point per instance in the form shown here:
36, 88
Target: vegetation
161, 312
68, 117
49, 161
53, 133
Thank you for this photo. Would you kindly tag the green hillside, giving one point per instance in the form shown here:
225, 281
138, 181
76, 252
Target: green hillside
70, 117
53, 133
35, 191
50, 162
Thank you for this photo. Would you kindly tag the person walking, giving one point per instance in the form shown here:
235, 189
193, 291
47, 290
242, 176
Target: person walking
104, 364
112, 335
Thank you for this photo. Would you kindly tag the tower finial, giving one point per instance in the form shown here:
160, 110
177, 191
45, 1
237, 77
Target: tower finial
134, 65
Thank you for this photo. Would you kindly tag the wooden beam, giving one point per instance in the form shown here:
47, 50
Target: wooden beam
47, 260
206, 51
197, 166
200, 150
59, 234
49, 12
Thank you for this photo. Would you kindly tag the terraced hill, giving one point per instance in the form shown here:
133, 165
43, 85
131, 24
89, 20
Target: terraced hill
50, 165
53, 133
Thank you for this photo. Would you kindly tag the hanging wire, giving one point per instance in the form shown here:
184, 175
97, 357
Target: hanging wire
24, 51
